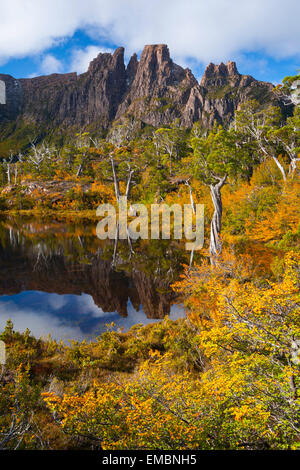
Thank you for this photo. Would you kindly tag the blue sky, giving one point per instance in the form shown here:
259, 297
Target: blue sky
39, 37
68, 316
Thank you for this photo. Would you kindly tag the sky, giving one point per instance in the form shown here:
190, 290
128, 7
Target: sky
68, 316
39, 37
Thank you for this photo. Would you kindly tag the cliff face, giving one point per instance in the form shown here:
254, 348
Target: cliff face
68, 99
158, 90
153, 90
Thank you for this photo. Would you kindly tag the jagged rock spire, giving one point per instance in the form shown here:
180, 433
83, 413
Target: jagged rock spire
153, 90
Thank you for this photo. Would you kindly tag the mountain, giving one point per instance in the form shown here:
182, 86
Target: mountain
22, 269
154, 90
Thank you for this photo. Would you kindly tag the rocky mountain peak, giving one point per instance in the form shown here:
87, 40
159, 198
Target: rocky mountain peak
118, 57
155, 71
154, 84
106, 60
217, 75
132, 68
232, 68
153, 90
158, 53
154, 67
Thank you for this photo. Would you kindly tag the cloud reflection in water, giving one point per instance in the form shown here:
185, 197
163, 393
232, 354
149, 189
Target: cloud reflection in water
67, 316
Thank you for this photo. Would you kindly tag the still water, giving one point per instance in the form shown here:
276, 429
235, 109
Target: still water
58, 278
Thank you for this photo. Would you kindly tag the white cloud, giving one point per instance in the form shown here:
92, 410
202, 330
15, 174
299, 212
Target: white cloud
40, 323
44, 321
138, 317
87, 306
51, 64
197, 29
57, 301
82, 57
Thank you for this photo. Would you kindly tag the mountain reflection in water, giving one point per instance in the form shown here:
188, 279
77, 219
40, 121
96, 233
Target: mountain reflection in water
58, 278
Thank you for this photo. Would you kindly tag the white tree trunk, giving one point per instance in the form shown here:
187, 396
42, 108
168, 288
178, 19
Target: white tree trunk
8, 173
79, 170
191, 197
16, 173
128, 186
293, 166
215, 247
282, 171
116, 181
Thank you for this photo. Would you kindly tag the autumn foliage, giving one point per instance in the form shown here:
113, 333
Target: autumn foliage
225, 377
244, 395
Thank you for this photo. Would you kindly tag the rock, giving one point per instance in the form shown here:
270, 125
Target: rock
153, 90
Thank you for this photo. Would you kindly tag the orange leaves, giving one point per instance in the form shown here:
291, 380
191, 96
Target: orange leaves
104, 191
286, 216
248, 332
145, 414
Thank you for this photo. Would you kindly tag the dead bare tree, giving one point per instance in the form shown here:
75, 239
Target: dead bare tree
126, 196
191, 195
40, 154
13, 437
8, 167
215, 246
130, 174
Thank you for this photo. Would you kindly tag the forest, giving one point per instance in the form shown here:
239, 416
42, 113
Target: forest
227, 375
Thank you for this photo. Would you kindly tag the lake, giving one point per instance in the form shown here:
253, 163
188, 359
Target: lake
58, 278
